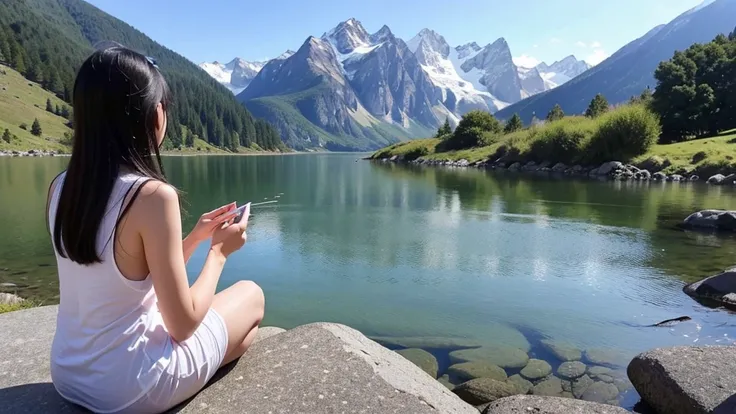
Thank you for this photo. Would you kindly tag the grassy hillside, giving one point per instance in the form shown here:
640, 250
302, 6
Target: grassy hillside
22, 101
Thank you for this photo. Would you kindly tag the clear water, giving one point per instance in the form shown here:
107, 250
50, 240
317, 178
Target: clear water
426, 252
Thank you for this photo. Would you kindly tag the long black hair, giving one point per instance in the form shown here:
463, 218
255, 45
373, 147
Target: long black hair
115, 97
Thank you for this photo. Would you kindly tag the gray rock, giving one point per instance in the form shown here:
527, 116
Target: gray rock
318, 367
645, 174
482, 390
571, 370
686, 380
421, 358
515, 166
720, 288
694, 178
623, 384
445, 380
545, 164
551, 387
729, 179
524, 386
580, 385
607, 357
659, 176
675, 177
716, 179
609, 167
593, 172
600, 392
465, 371
267, 332
559, 167
567, 386
533, 404
462, 163
723, 220
503, 356
536, 369
563, 352
10, 299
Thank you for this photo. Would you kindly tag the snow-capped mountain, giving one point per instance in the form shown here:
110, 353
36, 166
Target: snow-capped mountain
561, 71
237, 74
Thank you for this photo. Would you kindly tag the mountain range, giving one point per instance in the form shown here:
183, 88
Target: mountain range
354, 90
350, 89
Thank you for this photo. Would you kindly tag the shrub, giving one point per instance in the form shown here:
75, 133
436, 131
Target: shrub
416, 153
562, 141
625, 133
470, 130
699, 156
24, 126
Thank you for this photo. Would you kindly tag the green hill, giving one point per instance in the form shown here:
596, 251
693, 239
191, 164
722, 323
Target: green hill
47, 40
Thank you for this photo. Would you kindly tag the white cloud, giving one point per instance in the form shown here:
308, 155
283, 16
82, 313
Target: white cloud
596, 45
580, 44
526, 61
555, 40
598, 56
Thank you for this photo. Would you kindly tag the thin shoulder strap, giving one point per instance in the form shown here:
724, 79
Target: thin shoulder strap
52, 197
126, 202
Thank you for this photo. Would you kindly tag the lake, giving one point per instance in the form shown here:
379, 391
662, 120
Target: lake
427, 256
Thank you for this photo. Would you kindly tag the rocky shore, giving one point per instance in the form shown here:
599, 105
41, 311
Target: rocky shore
614, 170
331, 368
30, 153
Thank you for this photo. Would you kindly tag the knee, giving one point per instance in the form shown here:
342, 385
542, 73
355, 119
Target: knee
254, 295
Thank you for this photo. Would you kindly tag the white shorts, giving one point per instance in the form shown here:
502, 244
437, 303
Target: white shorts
193, 363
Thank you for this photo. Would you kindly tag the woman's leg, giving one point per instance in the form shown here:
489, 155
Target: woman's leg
241, 306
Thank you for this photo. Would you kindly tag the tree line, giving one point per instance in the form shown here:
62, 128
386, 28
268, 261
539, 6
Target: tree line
48, 44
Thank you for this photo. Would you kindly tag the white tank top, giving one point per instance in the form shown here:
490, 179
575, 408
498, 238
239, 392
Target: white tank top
110, 345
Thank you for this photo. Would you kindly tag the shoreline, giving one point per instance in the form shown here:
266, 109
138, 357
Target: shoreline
174, 153
610, 170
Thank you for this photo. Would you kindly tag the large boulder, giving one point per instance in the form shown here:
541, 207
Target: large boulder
686, 380
608, 167
320, 367
526, 404
483, 390
720, 288
720, 220
536, 369
465, 371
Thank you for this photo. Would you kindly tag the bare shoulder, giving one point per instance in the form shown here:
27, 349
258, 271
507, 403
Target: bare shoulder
154, 192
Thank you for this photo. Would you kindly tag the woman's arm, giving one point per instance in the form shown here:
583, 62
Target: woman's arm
183, 308
189, 245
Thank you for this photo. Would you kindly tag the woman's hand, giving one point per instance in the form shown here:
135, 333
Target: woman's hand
211, 221
229, 237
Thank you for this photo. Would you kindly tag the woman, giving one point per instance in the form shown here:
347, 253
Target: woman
132, 335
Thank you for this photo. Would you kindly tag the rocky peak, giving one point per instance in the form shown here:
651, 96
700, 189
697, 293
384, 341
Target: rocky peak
500, 76
428, 42
382, 35
569, 66
289, 53
347, 36
467, 49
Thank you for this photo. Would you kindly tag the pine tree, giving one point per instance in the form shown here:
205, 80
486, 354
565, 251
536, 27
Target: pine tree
49, 107
514, 124
57, 111
556, 113
598, 106
36, 128
16, 58
65, 112
445, 129
6, 136
189, 142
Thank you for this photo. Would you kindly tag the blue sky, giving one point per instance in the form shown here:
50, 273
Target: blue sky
536, 30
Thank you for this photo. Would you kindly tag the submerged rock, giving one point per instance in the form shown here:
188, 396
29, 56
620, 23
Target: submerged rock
482, 390
421, 358
533, 404
426, 342
563, 352
551, 386
659, 176
600, 392
686, 379
571, 370
716, 179
598, 373
605, 357
445, 380
711, 219
503, 356
580, 385
465, 371
523, 385
536, 369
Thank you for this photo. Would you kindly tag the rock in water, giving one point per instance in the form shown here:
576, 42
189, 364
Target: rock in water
536, 369
315, 368
429, 342
563, 352
551, 387
686, 380
465, 371
482, 390
504, 357
445, 380
605, 357
421, 358
720, 288
522, 385
580, 385
608, 167
533, 404
571, 370
601, 373
600, 392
